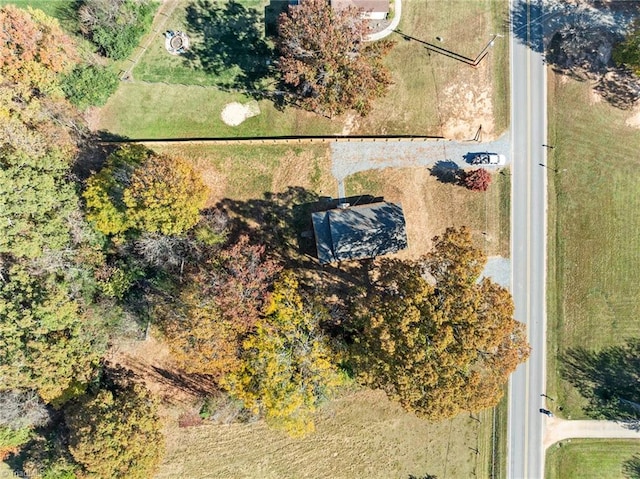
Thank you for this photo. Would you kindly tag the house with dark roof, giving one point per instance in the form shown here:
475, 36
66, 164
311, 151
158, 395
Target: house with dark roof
357, 232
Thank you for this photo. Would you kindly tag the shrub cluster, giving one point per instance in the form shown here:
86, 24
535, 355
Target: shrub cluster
116, 26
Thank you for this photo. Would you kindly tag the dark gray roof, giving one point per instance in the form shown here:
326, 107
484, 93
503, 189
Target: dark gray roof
358, 232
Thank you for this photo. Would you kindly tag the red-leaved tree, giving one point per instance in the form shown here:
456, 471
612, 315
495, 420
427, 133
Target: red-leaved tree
478, 180
325, 61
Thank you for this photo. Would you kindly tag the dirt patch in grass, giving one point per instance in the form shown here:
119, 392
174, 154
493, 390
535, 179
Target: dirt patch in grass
470, 106
360, 435
152, 363
634, 120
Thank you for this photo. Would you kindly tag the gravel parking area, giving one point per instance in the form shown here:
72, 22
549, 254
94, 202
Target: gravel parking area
351, 157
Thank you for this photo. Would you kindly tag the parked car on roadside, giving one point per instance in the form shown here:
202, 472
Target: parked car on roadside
488, 159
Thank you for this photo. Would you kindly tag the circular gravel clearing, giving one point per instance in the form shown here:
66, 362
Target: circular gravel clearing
235, 113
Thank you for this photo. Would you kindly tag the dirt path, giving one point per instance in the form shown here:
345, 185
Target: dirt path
560, 429
164, 12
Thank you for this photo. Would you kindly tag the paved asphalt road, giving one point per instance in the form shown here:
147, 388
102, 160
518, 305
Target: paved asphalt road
528, 226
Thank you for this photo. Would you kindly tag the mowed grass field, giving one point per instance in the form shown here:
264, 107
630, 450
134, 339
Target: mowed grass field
593, 459
248, 172
594, 230
357, 436
174, 96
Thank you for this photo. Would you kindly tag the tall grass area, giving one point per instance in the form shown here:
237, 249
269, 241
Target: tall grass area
361, 435
248, 172
593, 228
592, 459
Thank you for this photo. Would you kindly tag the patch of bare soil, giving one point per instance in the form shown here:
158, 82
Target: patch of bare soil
235, 113
350, 124
92, 117
469, 105
216, 183
634, 120
151, 362
594, 97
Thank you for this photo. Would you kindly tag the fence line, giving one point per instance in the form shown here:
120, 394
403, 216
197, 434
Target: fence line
272, 140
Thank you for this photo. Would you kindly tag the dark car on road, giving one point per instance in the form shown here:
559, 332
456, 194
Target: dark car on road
546, 412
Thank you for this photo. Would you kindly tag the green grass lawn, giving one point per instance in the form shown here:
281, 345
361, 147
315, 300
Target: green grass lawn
594, 231
159, 110
54, 8
220, 36
236, 55
593, 459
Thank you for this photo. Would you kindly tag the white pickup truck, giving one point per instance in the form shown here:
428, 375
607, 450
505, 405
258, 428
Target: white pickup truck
488, 159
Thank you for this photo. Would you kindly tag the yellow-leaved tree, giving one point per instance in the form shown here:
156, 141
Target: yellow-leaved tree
288, 365
115, 432
141, 191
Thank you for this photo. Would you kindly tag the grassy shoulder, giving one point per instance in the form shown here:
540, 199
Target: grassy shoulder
493, 449
592, 459
593, 231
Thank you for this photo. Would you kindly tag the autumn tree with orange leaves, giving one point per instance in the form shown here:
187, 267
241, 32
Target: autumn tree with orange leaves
221, 303
325, 61
141, 191
33, 50
434, 338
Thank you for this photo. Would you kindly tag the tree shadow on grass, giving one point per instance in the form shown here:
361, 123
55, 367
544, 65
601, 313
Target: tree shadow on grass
447, 172
631, 467
93, 151
608, 380
229, 43
281, 221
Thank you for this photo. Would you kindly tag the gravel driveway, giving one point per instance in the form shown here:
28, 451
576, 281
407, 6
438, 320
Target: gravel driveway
348, 158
